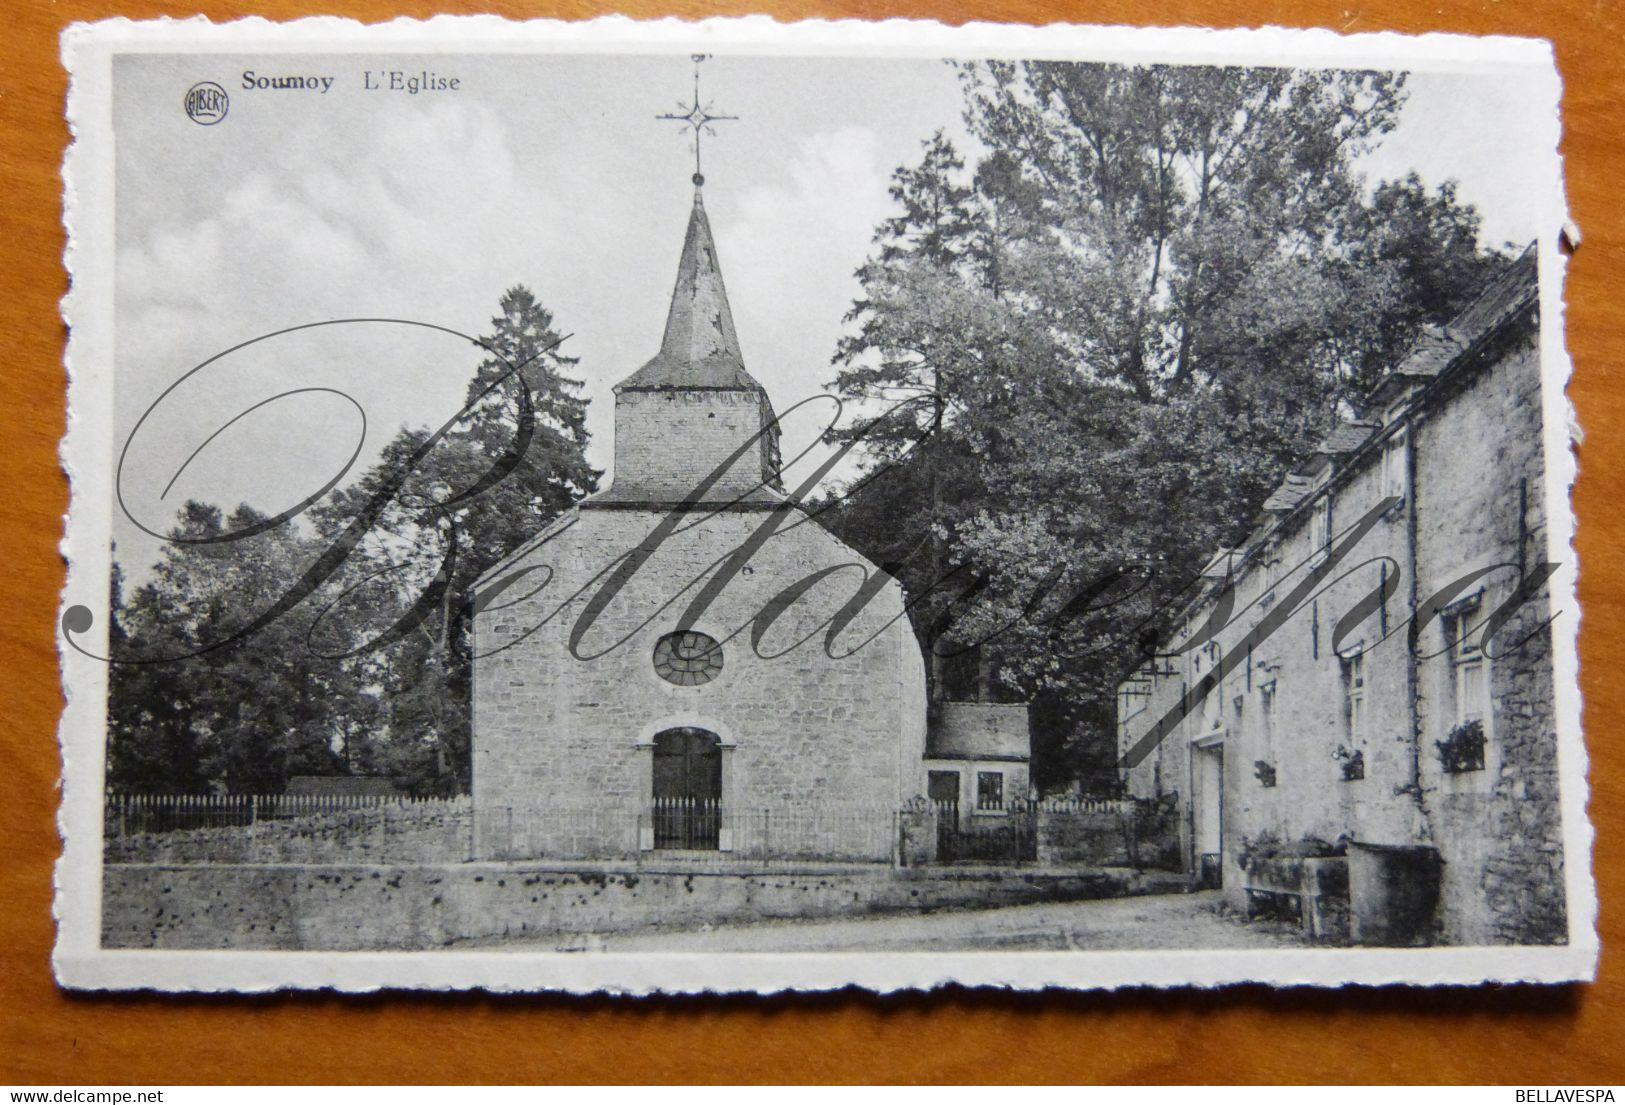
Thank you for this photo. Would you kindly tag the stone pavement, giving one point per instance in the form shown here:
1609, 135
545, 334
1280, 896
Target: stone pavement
1150, 922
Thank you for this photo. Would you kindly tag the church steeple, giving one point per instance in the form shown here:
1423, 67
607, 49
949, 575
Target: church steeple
700, 348
692, 417
680, 417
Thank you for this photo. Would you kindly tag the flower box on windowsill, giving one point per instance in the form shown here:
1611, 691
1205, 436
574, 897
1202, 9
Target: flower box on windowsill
1463, 750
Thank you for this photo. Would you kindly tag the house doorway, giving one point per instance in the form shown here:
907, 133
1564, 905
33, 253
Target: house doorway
942, 787
687, 789
1207, 784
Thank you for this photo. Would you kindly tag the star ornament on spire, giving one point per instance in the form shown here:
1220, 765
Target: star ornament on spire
697, 116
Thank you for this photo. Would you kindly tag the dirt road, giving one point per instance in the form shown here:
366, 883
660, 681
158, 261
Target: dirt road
1160, 921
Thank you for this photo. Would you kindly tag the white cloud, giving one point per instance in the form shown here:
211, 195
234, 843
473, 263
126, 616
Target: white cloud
545, 172
1459, 126
378, 232
790, 255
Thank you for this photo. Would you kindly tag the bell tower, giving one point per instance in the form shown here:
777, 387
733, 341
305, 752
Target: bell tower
680, 417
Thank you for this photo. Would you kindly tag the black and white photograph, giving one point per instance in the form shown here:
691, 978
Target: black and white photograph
749, 506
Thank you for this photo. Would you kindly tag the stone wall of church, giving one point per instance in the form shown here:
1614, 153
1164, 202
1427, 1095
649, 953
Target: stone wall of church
668, 442
803, 721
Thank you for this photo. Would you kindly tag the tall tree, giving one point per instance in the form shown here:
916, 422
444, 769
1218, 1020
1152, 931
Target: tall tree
513, 463
1153, 291
931, 333
369, 673
187, 716
1419, 259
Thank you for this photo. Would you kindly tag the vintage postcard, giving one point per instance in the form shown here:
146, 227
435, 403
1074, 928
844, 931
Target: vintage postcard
741, 506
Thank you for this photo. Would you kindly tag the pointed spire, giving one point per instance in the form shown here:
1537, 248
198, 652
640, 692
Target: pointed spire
700, 348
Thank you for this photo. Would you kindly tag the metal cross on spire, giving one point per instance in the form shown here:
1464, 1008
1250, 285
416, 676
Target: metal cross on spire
697, 116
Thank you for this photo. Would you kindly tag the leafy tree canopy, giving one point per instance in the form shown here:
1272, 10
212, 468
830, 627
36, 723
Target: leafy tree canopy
370, 673
1084, 356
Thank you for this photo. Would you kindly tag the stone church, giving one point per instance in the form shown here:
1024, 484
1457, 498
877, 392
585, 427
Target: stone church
639, 686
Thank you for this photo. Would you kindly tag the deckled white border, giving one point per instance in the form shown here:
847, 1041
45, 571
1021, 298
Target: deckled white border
88, 449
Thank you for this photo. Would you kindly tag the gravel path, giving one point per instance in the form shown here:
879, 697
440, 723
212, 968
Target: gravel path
1152, 922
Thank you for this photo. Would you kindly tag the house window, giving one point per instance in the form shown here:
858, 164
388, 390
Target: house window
1134, 700
1463, 747
1266, 718
1395, 468
1320, 529
990, 790
1469, 671
1354, 695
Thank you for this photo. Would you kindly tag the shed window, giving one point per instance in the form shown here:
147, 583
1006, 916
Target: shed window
990, 790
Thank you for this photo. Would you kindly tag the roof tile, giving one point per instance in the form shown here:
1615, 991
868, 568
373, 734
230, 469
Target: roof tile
700, 348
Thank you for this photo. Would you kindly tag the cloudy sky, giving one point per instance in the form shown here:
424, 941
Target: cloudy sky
550, 171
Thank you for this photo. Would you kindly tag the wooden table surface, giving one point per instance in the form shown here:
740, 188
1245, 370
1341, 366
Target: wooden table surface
1527, 1035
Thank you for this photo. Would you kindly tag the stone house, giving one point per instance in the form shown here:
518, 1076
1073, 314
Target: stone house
1383, 682
686, 661
977, 758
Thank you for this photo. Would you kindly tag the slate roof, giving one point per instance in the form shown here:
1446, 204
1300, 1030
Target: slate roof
1346, 437
1289, 494
1432, 352
1218, 565
1514, 288
1438, 349
700, 348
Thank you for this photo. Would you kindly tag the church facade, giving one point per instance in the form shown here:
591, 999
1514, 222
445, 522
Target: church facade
687, 661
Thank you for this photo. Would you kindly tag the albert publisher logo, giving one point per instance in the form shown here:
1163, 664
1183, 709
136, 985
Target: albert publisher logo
206, 103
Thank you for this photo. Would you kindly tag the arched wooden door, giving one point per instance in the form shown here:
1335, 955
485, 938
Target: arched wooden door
687, 788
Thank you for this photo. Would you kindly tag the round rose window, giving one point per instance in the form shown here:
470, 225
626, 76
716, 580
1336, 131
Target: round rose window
688, 659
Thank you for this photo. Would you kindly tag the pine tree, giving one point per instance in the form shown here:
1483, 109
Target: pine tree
369, 673
514, 462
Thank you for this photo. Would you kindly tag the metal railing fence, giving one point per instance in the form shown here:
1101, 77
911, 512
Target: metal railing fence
687, 831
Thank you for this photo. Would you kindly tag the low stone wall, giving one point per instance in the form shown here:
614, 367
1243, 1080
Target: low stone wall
1126, 833
431, 831
355, 907
1086, 835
